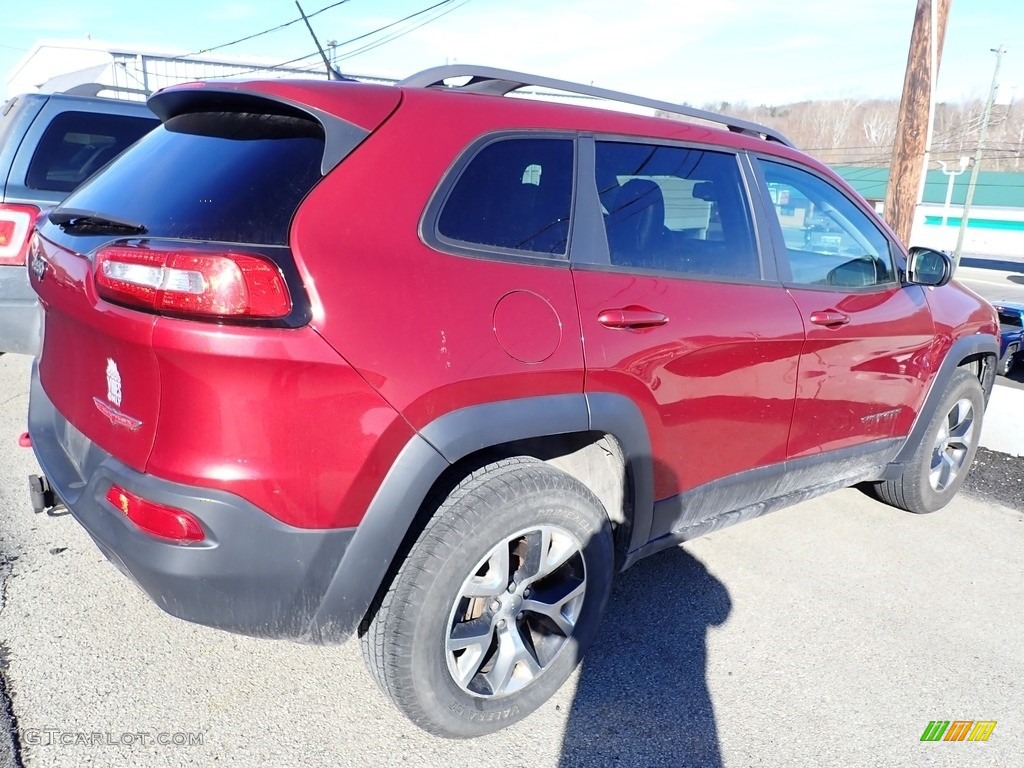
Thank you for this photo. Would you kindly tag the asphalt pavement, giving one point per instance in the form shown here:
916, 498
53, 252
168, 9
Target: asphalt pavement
828, 634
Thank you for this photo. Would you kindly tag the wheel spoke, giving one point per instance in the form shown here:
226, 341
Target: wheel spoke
514, 664
473, 638
495, 578
562, 611
963, 431
952, 445
470, 633
944, 473
557, 550
960, 443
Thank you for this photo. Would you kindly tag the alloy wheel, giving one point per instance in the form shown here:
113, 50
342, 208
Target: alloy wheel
516, 611
952, 445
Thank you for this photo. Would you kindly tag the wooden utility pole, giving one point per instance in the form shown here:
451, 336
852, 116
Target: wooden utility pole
913, 128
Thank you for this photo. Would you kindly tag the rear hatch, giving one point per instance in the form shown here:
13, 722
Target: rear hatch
191, 223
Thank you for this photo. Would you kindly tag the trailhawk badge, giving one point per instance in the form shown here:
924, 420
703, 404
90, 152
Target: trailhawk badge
112, 413
113, 383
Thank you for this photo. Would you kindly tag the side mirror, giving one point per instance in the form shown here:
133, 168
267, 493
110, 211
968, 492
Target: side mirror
926, 266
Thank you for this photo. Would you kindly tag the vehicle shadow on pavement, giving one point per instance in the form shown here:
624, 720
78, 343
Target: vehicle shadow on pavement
642, 697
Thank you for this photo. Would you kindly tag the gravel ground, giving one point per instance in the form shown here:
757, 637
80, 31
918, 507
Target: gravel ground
997, 477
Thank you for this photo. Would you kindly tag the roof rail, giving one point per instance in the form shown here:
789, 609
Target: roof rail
500, 82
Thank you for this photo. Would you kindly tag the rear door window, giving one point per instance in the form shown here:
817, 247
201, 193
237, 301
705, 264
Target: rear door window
223, 176
77, 144
675, 209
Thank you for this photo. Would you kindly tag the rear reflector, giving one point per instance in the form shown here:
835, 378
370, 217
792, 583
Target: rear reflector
15, 232
216, 284
157, 519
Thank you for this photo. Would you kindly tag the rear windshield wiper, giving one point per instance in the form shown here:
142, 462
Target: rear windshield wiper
83, 221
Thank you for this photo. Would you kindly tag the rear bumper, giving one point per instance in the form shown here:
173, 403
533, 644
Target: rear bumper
252, 574
19, 312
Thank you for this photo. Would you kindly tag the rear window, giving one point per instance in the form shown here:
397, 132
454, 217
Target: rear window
77, 144
226, 176
1013, 320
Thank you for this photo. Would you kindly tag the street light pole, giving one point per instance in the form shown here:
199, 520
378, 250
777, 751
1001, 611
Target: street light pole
977, 155
949, 186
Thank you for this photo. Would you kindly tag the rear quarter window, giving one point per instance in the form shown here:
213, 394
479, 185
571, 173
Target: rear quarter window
77, 144
515, 194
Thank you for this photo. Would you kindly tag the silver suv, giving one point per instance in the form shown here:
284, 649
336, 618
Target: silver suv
49, 145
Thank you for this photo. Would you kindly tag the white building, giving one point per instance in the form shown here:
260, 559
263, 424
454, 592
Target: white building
61, 65
130, 72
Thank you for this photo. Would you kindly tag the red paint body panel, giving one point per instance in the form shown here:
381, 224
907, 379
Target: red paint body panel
958, 311
82, 335
864, 380
274, 416
715, 383
426, 342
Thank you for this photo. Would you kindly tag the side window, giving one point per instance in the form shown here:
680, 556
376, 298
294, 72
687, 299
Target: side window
829, 240
515, 193
77, 144
675, 209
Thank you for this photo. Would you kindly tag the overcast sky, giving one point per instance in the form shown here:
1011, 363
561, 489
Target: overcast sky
679, 50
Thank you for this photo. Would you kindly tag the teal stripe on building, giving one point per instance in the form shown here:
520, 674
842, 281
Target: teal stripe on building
995, 189
954, 221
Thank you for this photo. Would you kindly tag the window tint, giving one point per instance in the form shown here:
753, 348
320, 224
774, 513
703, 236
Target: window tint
77, 144
829, 240
516, 194
676, 209
225, 176
1007, 318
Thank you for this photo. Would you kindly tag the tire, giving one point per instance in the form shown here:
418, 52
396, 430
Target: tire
942, 459
1006, 364
476, 572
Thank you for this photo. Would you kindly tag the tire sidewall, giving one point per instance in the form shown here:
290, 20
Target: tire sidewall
458, 711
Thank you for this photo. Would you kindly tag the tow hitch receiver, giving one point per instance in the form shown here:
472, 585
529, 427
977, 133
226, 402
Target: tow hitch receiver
43, 497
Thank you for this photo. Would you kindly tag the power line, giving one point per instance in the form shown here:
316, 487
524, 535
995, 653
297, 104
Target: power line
401, 33
268, 31
394, 23
365, 48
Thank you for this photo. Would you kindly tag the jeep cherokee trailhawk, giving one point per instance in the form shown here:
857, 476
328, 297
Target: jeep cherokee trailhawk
432, 365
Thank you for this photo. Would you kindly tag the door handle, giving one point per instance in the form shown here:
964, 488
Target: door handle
631, 317
830, 318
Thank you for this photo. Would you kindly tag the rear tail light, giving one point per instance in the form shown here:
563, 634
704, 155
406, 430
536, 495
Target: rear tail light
216, 284
157, 519
15, 232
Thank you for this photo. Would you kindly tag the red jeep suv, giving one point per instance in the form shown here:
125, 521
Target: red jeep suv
432, 365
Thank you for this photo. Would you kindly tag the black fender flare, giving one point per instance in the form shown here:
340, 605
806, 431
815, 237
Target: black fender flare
449, 438
967, 346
